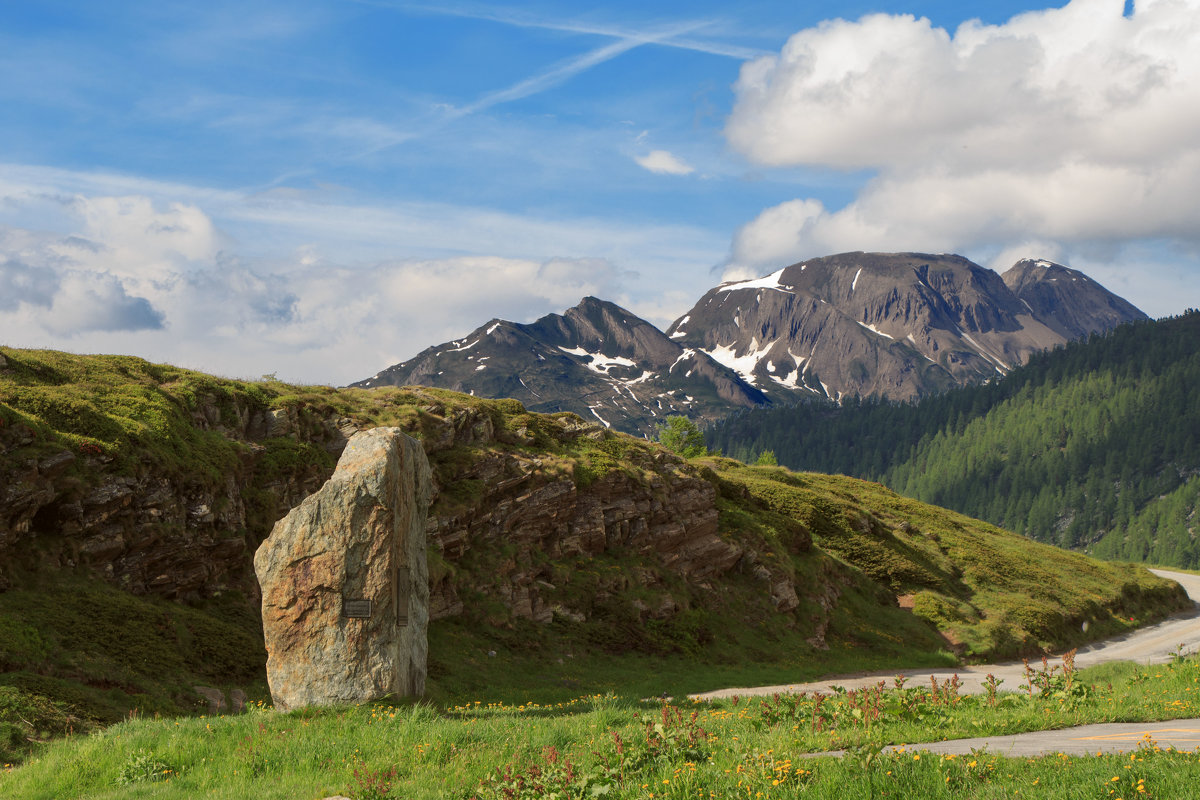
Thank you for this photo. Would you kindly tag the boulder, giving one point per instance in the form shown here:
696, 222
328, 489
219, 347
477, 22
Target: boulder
345, 585
215, 699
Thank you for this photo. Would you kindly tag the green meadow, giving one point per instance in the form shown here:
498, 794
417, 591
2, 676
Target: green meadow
622, 746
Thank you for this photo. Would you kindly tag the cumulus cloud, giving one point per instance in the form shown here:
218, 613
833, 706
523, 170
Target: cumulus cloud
21, 283
307, 285
351, 321
779, 232
1013, 253
479, 288
89, 302
1067, 126
662, 162
133, 274
133, 237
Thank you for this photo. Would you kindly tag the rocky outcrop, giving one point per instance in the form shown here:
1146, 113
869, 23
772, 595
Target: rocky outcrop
669, 520
180, 536
505, 482
547, 522
345, 585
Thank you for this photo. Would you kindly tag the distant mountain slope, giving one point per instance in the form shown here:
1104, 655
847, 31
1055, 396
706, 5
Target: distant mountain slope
894, 325
1067, 301
1095, 445
597, 360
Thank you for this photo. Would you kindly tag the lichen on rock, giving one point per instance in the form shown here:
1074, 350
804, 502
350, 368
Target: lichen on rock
345, 582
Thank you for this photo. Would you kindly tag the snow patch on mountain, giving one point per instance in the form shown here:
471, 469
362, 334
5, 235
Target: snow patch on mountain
687, 353
984, 352
464, 347
876, 331
595, 413
598, 362
771, 281
792, 381
744, 364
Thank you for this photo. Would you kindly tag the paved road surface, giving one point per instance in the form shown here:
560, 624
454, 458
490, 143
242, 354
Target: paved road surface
1108, 737
1152, 645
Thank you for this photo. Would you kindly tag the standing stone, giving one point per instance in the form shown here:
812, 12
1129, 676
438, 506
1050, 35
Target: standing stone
345, 585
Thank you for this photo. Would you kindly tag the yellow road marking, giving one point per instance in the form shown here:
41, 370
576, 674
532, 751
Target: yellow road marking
1140, 734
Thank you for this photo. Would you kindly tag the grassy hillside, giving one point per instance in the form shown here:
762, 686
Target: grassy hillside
1094, 446
878, 580
992, 592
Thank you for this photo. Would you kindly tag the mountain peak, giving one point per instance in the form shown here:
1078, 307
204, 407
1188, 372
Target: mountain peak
894, 325
1067, 301
897, 325
597, 360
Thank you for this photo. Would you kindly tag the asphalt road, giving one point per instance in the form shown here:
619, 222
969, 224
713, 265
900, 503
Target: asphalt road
1155, 644
1086, 740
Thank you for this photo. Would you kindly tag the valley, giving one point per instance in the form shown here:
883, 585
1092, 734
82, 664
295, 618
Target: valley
564, 556
548, 535
1093, 446
644, 401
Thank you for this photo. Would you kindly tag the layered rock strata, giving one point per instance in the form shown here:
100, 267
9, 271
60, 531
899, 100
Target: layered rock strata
181, 537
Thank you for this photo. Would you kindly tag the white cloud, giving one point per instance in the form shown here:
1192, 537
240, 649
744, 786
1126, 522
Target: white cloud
778, 233
1011, 254
23, 284
89, 302
137, 239
294, 284
308, 319
1068, 126
662, 162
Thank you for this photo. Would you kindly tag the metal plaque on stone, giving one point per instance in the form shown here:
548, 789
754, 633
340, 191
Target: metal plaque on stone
402, 590
356, 609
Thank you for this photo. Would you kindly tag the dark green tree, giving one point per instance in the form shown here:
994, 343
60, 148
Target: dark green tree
681, 435
767, 459
1085, 446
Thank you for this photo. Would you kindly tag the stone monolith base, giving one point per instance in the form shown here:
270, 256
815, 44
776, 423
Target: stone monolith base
345, 582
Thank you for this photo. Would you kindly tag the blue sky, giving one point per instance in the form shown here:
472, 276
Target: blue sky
320, 189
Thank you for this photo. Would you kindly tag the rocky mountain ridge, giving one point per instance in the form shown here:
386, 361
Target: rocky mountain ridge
596, 360
892, 325
1051, 292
